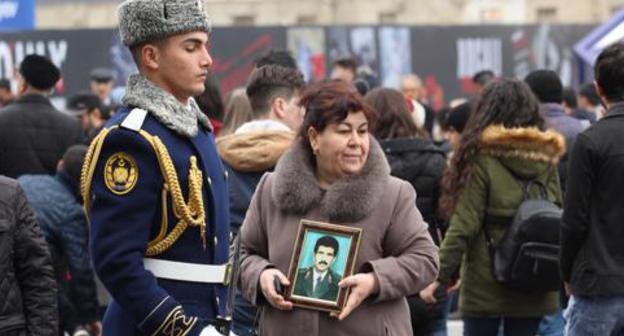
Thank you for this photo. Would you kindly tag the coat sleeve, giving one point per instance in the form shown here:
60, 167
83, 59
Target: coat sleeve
465, 223
34, 272
120, 231
254, 246
577, 204
410, 260
74, 240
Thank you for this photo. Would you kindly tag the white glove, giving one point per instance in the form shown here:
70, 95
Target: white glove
210, 331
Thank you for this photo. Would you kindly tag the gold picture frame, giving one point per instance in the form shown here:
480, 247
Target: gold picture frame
324, 254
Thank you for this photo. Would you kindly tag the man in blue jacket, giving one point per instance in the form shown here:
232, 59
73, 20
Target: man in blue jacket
57, 205
154, 187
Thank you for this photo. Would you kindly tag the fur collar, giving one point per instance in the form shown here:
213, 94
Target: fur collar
184, 120
523, 143
296, 189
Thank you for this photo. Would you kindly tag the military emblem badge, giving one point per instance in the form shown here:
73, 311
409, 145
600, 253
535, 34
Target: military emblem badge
121, 173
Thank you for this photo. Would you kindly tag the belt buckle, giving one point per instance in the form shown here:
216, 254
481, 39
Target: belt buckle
227, 278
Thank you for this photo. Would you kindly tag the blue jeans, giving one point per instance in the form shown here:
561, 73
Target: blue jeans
511, 326
595, 316
244, 318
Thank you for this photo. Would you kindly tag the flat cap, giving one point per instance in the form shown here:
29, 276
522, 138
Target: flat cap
39, 72
142, 21
84, 100
102, 75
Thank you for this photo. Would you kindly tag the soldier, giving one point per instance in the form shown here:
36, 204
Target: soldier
154, 187
319, 281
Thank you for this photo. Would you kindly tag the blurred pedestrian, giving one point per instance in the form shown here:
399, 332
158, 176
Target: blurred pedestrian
237, 112
482, 78
414, 158
589, 104
93, 115
102, 82
591, 260
254, 149
33, 134
28, 288
547, 87
413, 90
6, 93
277, 57
58, 207
336, 172
505, 137
344, 69
211, 102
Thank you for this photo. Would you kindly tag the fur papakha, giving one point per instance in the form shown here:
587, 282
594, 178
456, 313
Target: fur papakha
143, 21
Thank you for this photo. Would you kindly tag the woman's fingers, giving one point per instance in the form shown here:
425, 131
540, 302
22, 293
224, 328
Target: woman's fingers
354, 300
268, 289
349, 281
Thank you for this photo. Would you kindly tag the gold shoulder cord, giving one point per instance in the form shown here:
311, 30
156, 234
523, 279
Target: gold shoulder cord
189, 214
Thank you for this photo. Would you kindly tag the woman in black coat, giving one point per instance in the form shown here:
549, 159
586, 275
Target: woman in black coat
413, 157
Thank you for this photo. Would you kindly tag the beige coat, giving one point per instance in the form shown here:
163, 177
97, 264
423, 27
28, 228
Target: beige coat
395, 243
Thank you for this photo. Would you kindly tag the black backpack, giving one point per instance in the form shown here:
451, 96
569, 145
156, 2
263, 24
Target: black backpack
527, 257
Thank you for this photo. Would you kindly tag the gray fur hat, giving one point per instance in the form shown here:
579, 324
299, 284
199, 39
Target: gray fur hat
143, 21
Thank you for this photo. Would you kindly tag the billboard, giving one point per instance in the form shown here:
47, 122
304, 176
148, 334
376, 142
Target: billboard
17, 15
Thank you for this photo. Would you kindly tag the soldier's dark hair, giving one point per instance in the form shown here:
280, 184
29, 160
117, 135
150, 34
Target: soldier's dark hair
270, 82
327, 241
609, 72
277, 57
348, 63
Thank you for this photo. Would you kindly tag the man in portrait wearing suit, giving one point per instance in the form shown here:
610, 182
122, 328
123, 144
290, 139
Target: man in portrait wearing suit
319, 281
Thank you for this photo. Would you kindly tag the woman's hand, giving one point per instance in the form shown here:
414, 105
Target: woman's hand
362, 286
268, 288
427, 294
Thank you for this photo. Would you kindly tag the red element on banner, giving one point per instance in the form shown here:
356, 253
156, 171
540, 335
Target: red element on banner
468, 87
435, 92
234, 72
318, 67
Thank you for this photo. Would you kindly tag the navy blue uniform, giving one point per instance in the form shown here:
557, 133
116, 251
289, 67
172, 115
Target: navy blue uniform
131, 209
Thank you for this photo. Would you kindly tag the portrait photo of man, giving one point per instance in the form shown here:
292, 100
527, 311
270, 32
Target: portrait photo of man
320, 281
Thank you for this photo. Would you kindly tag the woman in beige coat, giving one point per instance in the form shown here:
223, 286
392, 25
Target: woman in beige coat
337, 173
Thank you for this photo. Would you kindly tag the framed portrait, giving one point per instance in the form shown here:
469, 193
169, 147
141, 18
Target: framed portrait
323, 255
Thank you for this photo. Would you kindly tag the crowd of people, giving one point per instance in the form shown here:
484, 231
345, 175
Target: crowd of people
185, 205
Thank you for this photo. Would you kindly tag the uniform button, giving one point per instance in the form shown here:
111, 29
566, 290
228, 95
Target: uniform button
209, 181
218, 301
231, 236
216, 241
226, 175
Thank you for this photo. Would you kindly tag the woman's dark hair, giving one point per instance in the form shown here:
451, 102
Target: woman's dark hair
507, 102
331, 102
395, 121
211, 101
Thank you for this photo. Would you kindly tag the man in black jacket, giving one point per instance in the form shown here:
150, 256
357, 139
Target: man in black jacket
27, 286
592, 252
33, 134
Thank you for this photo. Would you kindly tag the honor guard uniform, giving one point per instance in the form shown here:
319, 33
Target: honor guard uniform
156, 196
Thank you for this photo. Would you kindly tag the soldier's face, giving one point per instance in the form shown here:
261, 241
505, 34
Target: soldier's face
183, 64
323, 258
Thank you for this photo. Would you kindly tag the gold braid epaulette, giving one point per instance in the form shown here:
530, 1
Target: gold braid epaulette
191, 214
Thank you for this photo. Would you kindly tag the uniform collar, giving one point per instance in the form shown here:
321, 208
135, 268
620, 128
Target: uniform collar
180, 118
